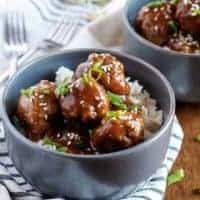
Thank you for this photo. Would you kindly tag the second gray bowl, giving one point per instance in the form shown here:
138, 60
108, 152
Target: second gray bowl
182, 70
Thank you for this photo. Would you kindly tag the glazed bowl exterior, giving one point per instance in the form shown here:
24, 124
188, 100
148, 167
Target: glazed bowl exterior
182, 70
106, 176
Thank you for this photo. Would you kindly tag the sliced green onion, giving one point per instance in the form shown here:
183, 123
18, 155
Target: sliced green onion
27, 92
196, 12
62, 89
62, 149
116, 100
58, 147
197, 138
135, 108
46, 92
173, 27
154, 4
114, 114
175, 177
96, 68
97, 65
86, 78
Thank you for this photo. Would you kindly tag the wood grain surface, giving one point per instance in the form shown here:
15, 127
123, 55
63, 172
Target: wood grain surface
189, 157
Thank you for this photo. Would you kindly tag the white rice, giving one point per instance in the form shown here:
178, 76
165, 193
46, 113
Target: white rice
63, 74
153, 117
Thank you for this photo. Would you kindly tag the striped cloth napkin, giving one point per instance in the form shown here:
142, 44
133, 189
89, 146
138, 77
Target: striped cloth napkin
101, 33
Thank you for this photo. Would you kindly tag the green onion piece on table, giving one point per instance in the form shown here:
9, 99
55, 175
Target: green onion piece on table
175, 177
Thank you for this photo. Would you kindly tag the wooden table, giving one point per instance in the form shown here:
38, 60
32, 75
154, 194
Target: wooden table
189, 157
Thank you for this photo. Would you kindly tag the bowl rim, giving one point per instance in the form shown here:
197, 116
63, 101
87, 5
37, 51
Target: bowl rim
145, 144
146, 42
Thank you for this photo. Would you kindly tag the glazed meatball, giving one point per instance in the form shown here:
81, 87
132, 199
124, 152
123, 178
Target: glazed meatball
184, 43
86, 100
80, 70
118, 133
37, 106
111, 72
187, 14
153, 22
73, 136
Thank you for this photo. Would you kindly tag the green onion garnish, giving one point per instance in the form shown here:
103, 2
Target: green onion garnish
136, 108
46, 92
114, 114
175, 177
27, 92
62, 89
86, 78
173, 27
196, 12
58, 147
97, 69
197, 138
173, 1
116, 100
154, 4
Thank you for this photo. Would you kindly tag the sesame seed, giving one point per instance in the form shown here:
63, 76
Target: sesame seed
45, 108
41, 96
45, 116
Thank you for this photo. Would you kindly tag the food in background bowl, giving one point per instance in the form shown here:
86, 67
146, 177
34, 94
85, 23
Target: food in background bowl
171, 24
95, 109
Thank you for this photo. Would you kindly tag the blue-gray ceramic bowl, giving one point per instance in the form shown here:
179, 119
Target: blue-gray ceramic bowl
107, 176
182, 70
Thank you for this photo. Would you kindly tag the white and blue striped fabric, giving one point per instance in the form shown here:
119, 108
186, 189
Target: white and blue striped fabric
12, 185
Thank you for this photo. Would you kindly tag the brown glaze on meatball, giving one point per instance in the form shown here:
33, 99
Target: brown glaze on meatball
184, 43
153, 22
86, 101
73, 135
118, 133
112, 78
187, 16
38, 108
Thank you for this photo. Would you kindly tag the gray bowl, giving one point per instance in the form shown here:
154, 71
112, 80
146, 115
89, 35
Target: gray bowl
87, 176
182, 70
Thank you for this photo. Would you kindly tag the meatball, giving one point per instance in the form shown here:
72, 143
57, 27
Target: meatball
107, 70
184, 43
118, 133
37, 106
187, 14
152, 22
80, 70
86, 100
73, 136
